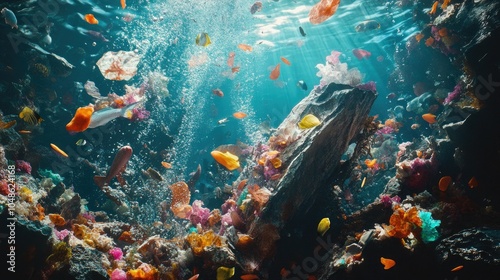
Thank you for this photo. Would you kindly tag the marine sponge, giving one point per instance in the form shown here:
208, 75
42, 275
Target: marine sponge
402, 222
198, 242
56, 178
429, 227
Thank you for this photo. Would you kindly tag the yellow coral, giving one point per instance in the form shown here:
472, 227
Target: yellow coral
143, 272
199, 241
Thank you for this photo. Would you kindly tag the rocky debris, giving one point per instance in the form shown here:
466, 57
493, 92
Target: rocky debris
85, 263
71, 208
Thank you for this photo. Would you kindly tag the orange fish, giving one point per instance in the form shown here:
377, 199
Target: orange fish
249, 277
457, 268
91, 19
443, 32
430, 118
25, 131
429, 41
81, 120
444, 182
194, 277
58, 150
434, 8
245, 47
286, 61
323, 11
473, 182
239, 115
166, 164
275, 73
371, 163
235, 69
445, 4
419, 37
388, 263
122, 2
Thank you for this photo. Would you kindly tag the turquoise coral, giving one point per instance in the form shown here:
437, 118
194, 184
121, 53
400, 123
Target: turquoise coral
429, 227
56, 178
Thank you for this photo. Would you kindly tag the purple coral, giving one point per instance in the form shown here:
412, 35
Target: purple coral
116, 253
140, 114
370, 86
453, 95
23, 166
61, 234
199, 214
387, 200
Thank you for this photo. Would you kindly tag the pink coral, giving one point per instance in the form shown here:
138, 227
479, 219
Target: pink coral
61, 234
453, 95
387, 200
118, 274
199, 214
140, 114
116, 253
333, 58
23, 166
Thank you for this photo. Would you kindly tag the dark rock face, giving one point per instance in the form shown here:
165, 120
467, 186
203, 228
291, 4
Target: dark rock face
84, 264
477, 249
303, 195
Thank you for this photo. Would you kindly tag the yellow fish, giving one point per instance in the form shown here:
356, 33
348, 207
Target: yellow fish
228, 160
309, 121
30, 116
224, 273
203, 40
323, 226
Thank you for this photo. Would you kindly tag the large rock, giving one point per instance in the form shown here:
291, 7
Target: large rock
312, 164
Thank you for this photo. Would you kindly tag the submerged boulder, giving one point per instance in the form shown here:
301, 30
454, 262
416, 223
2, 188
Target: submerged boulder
312, 162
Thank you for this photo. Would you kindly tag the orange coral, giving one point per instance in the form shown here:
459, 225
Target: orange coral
198, 242
143, 272
57, 220
214, 218
126, 237
180, 199
402, 222
244, 241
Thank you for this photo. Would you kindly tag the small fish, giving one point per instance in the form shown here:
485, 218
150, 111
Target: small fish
166, 164
227, 159
309, 121
367, 25
106, 115
90, 18
301, 84
323, 226
434, 8
122, 2
286, 61
275, 73
154, 174
444, 183
245, 47
225, 273
81, 142
97, 35
7, 125
388, 263
430, 118
10, 18
223, 121
203, 39
218, 92
256, 7
473, 183
58, 150
239, 115
302, 32
419, 37
415, 126
457, 268
363, 182
30, 116
24, 131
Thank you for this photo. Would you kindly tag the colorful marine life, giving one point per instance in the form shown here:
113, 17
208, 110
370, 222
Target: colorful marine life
433, 8
227, 159
10, 18
239, 115
123, 4
118, 166
419, 37
302, 85
445, 4
203, 39
118, 66
81, 120
7, 125
218, 92
429, 41
225, 273
367, 25
473, 183
245, 47
388, 263
457, 268
309, 121
371, 163
360, 53
30, 116
108, 114
256, 7
81, 142
90, 18
444, 182
166, 164
275, 73
323, 10
58, 150
430, 118
323, 226
302, 32
286, 61
154, 174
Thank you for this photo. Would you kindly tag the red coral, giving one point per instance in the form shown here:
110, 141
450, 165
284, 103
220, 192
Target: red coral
23, 166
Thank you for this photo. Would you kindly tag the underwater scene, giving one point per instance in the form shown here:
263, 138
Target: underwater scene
243, 139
